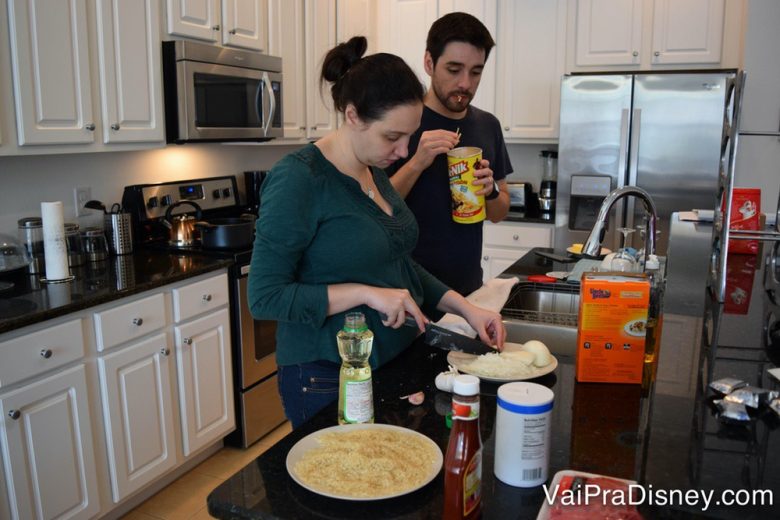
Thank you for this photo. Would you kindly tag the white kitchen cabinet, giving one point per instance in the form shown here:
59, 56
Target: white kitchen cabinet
286, 38
205, 380
404, 30
51, 73
56, 102
137, 390
234, 23
654, 34
131, 98
48, 450
320, 37
505, 242
531, 54
357, 18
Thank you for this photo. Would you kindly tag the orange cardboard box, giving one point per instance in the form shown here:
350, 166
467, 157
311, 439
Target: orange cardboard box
611, 327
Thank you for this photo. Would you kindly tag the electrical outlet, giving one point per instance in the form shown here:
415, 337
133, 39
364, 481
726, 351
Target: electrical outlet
81, 196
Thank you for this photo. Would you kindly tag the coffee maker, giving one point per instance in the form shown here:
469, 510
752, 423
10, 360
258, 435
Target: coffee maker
549, 181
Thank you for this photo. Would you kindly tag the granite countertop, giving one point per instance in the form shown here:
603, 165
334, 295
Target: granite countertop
666, 436
31, 301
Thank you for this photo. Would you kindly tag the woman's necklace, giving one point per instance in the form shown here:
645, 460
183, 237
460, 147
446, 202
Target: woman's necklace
368, 189
370, 193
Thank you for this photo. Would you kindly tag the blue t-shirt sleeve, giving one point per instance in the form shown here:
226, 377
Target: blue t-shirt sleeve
286, 226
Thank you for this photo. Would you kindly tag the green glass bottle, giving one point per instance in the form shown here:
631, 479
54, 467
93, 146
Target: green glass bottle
356, 399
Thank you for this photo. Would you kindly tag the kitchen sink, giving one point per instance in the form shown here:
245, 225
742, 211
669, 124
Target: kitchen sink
546, 312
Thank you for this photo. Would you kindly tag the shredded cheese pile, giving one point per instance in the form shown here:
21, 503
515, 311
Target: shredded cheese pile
367, 463
498, 365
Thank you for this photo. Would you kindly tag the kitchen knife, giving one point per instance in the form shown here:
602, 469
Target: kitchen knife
444, 339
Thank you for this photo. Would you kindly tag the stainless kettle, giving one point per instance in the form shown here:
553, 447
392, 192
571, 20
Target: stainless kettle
182, 227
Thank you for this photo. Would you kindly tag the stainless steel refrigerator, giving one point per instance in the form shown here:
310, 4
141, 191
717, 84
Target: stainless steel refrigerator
659, 131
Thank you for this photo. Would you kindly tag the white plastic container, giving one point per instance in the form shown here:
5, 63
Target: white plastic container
523, 434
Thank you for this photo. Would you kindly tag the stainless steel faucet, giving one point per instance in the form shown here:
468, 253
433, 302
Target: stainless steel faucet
592, 245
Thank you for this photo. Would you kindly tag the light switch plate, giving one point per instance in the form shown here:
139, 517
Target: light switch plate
80, 197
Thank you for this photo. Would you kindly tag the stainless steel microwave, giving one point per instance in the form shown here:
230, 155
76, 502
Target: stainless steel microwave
218, 94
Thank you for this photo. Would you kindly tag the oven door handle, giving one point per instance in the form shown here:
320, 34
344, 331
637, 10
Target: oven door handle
244, 270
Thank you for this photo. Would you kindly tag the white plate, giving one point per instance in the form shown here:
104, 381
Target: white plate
578, 250
459, 359
311, 441
630, 332
559, 275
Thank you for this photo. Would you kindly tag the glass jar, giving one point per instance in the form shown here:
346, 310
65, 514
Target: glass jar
95, 245
30, 232
74, 246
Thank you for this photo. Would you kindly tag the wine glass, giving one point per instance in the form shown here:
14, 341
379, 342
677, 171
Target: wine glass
623, 260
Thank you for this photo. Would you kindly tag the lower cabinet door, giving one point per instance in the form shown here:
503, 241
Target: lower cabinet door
48, 450
205, 380
137, 391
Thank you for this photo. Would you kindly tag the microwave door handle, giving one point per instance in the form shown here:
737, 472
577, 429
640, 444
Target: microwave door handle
271, 103
259, 103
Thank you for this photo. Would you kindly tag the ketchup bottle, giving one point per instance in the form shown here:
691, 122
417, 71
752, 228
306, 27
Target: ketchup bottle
463, 463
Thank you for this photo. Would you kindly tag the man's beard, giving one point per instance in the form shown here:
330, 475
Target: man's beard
451, 101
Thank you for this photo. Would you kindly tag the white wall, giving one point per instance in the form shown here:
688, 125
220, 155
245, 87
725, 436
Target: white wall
25, 181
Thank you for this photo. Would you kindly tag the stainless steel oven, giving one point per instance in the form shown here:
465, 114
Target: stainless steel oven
258, 402
218, 94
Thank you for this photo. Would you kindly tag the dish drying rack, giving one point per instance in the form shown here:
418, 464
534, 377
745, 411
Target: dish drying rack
550, 303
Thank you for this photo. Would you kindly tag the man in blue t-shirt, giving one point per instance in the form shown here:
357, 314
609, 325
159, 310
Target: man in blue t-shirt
456, 50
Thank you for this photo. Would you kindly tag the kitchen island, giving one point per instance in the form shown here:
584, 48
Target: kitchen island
667, 437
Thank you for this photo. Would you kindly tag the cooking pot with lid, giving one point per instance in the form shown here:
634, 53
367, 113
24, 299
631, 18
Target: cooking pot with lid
182, 227
227, 233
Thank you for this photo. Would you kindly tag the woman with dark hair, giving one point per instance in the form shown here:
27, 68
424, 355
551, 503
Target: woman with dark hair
333, 235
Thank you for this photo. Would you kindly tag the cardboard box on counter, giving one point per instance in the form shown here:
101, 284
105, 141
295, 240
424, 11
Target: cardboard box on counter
611, 327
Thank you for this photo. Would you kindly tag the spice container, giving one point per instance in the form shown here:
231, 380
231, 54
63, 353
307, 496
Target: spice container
523, 434
463, 463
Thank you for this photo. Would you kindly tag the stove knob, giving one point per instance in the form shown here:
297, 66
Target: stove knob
167, 200
152, 202
226, 193
216, 193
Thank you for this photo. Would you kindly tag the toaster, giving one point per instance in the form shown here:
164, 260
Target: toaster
519, 194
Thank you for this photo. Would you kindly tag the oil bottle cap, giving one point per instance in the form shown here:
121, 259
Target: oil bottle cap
466, 385
355, 322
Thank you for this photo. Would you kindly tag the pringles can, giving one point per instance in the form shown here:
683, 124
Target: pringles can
467, 206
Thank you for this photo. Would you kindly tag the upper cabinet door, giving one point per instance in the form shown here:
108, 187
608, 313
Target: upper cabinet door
531, 58
244, 24
286, 39
130, 70
608, 32
357, 18
194, 18
688, 31
320, 19
485, 11
50, 65
403, 31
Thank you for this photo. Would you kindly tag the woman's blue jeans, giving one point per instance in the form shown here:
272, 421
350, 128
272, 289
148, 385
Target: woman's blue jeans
307, 388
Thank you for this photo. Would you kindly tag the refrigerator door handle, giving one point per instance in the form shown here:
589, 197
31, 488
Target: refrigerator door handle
623, 150
636, 124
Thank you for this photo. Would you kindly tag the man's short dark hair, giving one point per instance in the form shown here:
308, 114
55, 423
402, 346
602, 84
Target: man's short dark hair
457, 27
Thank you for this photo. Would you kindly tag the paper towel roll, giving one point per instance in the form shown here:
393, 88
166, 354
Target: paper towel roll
54, 247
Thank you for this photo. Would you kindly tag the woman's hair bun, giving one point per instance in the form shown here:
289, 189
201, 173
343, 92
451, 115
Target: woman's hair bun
340, 58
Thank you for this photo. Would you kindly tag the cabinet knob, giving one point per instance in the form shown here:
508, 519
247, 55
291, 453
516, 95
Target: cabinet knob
656, 54
215, 27
206, 297
46, 353
485, 258
635, 53
90, 127
301, 128
506, 128
232, 31
115, 126
14, 414
515, 237
165, 351
138, 321
187, 341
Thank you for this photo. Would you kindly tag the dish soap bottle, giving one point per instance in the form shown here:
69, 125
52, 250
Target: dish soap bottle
463, 463
356, 399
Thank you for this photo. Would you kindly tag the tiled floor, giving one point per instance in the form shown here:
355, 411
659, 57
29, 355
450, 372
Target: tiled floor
186, 497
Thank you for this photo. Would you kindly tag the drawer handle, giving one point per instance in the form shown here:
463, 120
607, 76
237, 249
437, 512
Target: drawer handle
138, 321
46, 353
515, 237
165, 351
14, 414
206, 297
115, 127
187, 341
